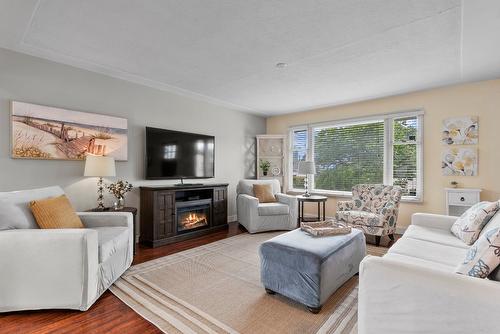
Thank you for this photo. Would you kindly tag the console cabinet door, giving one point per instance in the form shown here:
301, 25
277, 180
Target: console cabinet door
165, 214
220, 206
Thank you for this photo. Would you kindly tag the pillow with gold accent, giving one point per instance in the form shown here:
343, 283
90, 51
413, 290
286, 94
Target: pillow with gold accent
55, 212
264, 192
469, 225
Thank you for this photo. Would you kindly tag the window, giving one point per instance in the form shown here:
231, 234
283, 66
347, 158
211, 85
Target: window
299, 153
384, 149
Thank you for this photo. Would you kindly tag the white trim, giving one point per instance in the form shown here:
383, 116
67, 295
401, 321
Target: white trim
231, 219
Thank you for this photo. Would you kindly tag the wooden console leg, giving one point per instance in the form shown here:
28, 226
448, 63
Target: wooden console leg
271, 292
314, 310
377, 240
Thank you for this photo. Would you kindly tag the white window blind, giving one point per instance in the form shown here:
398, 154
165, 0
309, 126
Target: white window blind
378, 149
348, 155
299, 153
405, 154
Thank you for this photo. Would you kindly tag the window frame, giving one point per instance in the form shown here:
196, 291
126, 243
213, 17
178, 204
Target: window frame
389, 143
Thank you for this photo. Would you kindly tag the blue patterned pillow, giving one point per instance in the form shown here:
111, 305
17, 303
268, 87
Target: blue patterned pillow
483, 257
470, 224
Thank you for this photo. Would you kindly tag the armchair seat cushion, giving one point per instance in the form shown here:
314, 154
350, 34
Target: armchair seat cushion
273, 209
360, 218
111, 240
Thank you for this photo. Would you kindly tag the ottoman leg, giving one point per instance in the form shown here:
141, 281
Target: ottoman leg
314, 310
377, 240
271, 292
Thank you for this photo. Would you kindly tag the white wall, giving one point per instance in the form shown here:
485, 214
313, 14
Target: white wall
29, 79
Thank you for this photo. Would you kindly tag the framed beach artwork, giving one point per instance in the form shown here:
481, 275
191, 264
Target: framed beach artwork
460, 131
459, 161
40, 132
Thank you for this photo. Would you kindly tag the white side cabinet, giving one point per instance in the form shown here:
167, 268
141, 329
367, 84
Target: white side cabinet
458, 200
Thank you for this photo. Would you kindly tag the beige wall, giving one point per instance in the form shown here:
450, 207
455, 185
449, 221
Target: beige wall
481, 99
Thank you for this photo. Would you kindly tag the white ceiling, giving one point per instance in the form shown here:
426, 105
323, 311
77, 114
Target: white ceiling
225, 51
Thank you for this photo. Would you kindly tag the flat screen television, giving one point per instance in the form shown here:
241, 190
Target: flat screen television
179, 155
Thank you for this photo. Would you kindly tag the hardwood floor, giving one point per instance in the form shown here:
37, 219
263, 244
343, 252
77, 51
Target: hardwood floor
109, 314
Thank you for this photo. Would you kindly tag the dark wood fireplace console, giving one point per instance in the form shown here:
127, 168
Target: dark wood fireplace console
163, 206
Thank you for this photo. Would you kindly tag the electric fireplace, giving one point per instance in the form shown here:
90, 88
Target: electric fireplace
193, 215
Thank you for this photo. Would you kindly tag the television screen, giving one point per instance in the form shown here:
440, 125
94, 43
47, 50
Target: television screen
174, 155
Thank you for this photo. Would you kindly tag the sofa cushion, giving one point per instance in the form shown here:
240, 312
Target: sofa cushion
14, 207
470, 224
264, 193
246, 186
110, 240
55, 212
360, 218
273, 209
420, 262
436, 235
483, 257
430, 251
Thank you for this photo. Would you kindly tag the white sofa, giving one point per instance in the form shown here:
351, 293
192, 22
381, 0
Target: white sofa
414, 287
260, 217
58, 268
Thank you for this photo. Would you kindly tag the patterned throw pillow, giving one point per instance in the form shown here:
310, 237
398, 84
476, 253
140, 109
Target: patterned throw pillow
470, 224
483, 257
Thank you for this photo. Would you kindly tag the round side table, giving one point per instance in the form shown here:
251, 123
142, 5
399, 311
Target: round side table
313, 199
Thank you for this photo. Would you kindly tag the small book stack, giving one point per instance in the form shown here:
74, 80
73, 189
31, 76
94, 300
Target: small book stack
325, 228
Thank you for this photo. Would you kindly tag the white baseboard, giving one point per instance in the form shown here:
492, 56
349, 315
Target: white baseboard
232, 218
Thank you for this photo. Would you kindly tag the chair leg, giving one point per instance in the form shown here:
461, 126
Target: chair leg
391, 236
377, 240
271, 292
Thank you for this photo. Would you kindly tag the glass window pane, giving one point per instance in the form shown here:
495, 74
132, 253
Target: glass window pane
299, 153
405, 129
405, 168
349, 155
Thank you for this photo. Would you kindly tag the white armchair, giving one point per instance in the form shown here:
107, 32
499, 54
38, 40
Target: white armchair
59, 268
260, 217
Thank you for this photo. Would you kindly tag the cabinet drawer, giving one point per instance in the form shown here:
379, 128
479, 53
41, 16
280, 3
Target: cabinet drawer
465, 198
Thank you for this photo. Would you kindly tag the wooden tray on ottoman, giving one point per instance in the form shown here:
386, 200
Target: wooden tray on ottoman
325, 228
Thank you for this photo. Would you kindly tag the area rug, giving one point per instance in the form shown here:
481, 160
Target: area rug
216, 288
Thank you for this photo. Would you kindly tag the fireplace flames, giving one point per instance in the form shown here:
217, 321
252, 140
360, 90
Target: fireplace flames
193, 220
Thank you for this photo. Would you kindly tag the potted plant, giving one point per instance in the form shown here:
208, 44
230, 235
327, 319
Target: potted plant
119, 189
265, 165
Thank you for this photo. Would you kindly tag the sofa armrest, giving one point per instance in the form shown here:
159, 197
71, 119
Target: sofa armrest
247, 207
292, 203
100, 219
345, 205
43, 269
433, 221
110, 219
423, 299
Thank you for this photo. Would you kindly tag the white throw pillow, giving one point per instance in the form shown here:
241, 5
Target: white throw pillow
470, 224
483, 257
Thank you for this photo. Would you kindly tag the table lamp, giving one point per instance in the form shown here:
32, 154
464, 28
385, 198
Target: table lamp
99, 166
307, 168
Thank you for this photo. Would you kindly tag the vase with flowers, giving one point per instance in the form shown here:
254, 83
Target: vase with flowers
119, 189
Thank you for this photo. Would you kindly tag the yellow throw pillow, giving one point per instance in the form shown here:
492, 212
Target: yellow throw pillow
55, 212
264, 192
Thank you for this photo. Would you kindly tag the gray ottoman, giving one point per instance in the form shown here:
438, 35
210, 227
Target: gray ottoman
309, 269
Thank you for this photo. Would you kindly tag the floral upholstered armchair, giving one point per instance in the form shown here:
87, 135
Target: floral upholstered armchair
373, 209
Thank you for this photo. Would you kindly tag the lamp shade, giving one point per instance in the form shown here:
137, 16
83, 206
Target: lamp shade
99, 166
307, 167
